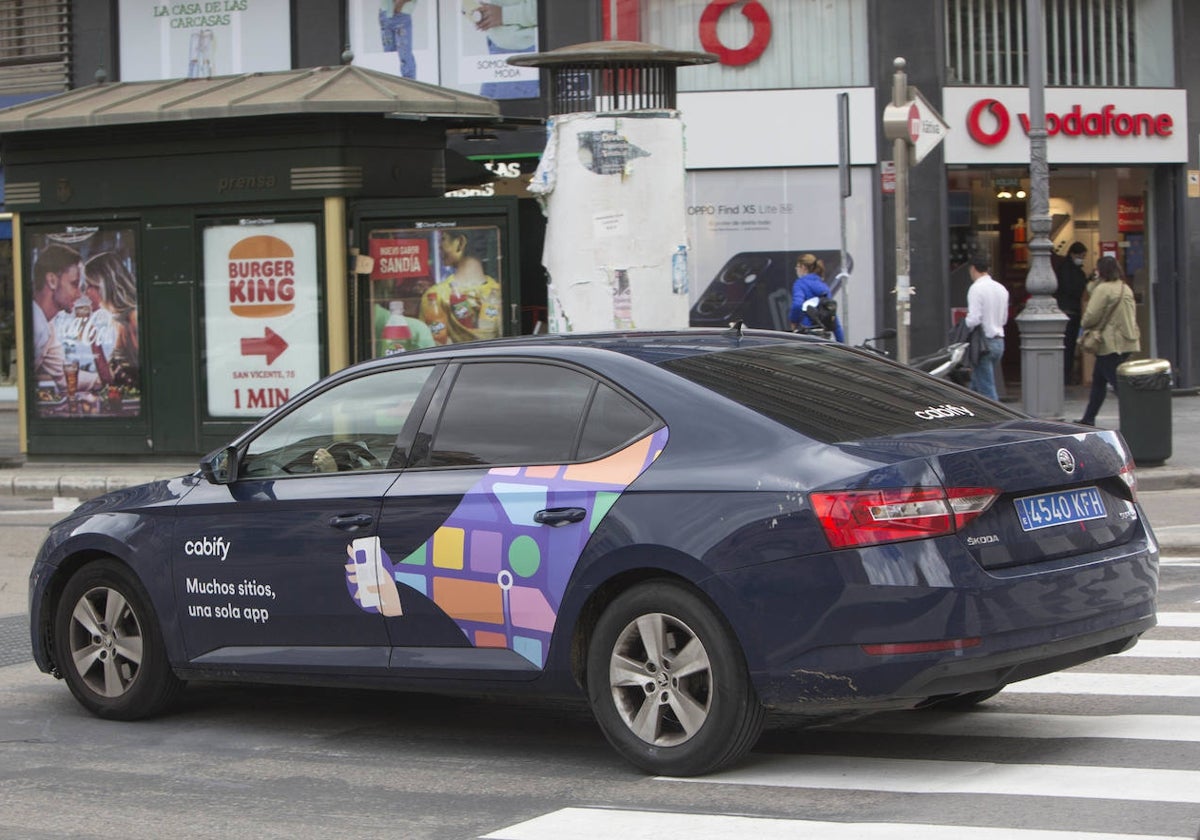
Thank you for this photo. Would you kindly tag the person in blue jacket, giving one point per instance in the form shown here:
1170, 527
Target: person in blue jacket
809, 284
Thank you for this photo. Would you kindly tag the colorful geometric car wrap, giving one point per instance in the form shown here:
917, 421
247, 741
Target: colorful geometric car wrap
490, 567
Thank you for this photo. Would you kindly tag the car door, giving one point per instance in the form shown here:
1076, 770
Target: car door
508, 482
278, 568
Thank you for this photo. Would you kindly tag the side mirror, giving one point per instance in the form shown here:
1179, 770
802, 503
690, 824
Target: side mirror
221, 467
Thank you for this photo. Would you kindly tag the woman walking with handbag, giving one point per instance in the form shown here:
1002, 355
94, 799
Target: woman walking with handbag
1110, 321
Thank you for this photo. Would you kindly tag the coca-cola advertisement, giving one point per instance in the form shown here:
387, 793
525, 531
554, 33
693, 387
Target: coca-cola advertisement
433, 284
86, 357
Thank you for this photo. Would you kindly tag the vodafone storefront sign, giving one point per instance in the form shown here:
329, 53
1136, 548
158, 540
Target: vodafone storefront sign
1074, 123
1082, 126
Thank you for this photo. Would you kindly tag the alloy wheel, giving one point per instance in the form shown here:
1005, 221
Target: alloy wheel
661, 679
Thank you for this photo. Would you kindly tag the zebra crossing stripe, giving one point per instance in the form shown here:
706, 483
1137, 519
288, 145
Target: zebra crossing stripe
987, 724
1135, 685
590, 823
1179, 619
922, 776
1164, 649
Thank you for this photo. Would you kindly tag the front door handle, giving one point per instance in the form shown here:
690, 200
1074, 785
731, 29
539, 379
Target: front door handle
557, 517
351, 521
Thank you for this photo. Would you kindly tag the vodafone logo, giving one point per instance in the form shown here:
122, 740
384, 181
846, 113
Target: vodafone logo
262, 277
759, 20
988, 123
997, 118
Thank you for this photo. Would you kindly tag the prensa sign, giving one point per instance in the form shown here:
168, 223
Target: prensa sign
1119, 126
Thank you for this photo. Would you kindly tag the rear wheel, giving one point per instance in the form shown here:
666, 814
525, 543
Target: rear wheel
108, 644
668, 683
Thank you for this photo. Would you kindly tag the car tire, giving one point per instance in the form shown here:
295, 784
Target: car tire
109, 646
666, 715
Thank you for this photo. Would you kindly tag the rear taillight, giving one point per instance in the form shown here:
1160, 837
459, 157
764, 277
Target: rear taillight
870, 517
1129, 476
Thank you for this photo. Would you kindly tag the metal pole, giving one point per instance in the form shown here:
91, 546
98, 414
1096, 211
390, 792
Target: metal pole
844, 189
900, 157
1041, 323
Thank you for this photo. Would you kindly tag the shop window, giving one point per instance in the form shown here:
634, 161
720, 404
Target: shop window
1089, 43
794, 44
34, 47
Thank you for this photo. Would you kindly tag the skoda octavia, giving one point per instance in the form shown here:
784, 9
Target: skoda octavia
690, 528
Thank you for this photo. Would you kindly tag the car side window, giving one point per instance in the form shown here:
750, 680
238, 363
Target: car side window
352, 426
612, 422
511, 413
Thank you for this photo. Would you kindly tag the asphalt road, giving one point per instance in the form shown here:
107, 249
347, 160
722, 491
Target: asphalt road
1110, 749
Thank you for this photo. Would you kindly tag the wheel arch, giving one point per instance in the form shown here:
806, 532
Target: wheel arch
74, 558
633, 567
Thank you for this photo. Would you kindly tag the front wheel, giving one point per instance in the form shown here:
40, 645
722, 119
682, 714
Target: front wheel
668, 683
108, 644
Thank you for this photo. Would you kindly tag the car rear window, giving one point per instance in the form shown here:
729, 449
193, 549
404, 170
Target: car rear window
830, 393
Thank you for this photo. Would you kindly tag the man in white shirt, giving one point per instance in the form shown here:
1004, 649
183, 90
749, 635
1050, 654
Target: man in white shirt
987, 308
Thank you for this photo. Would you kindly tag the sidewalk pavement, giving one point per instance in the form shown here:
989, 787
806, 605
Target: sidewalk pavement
36, 478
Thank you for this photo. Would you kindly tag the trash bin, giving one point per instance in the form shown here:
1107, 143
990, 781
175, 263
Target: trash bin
1144, 404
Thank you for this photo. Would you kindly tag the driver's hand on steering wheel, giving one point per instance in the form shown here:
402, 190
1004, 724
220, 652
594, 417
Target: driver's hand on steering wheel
323, 461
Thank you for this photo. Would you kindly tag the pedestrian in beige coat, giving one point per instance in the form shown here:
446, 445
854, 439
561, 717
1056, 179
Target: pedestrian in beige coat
1112, 311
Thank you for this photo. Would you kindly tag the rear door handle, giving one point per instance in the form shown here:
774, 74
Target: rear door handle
556, 517
350, 521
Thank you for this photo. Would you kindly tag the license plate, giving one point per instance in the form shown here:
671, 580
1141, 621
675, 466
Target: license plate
1061, 508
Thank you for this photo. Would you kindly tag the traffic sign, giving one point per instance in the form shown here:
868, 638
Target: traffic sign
926, 127
917, 123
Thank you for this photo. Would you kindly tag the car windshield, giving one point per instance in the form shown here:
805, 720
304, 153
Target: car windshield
832, 394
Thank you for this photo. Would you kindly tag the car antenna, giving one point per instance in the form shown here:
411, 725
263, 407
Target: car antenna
735, 330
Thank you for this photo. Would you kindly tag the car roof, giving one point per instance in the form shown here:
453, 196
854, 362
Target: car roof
654, 347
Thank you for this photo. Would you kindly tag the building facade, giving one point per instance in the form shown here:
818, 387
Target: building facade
785, 155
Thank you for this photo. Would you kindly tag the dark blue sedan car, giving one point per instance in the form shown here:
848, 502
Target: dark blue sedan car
691, 528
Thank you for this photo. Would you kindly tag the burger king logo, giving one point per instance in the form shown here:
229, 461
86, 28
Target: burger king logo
262, 277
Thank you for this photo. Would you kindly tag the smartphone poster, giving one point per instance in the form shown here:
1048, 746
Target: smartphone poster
747, 228
84, 317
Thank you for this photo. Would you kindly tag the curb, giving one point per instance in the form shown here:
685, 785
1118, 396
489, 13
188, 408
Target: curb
1167, 478
45, 484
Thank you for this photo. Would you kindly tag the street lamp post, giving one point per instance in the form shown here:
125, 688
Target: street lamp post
1041, 322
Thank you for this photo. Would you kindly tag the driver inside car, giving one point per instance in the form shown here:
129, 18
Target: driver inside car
355, 456
323, 461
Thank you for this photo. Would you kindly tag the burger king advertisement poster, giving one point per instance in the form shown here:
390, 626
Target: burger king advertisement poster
86, 361
261, 316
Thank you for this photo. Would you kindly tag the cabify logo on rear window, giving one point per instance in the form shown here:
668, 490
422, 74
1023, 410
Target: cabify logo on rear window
935, 412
